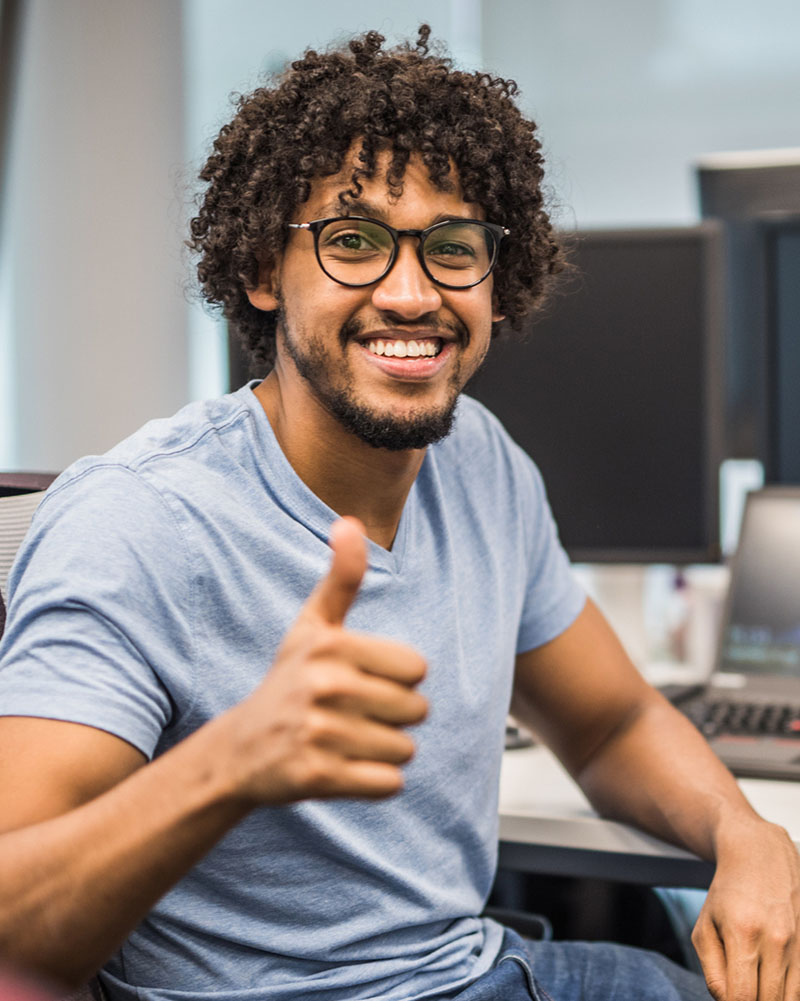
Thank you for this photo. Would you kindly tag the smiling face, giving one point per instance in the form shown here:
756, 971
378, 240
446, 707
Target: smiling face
386, 360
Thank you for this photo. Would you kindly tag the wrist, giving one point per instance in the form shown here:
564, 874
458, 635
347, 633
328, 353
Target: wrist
738, 837
208, 767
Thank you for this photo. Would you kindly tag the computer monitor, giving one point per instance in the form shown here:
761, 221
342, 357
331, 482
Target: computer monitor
779, 240
615, 392
761, 622
740, 188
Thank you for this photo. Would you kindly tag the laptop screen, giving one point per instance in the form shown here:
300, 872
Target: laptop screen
761, 631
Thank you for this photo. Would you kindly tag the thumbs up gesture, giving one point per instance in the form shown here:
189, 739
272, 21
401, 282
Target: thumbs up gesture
327, 719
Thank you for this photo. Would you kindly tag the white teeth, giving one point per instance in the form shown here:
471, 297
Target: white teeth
403, 349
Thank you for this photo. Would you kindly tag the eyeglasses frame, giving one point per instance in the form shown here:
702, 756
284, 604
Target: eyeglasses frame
317, 225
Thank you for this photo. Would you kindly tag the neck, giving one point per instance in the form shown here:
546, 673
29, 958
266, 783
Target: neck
351, 477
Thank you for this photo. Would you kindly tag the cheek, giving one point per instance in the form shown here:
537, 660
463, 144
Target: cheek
480, 318
319, 298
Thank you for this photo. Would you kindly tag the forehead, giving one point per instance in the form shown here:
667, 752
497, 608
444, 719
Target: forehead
420, 197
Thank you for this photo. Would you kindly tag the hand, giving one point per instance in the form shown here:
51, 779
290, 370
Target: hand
747, 933
326, 721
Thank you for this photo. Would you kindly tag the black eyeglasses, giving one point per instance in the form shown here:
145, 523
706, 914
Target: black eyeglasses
356, 251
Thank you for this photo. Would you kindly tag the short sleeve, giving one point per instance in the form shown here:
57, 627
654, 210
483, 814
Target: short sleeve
99, 626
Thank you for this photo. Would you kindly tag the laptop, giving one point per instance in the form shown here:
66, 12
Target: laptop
749, 709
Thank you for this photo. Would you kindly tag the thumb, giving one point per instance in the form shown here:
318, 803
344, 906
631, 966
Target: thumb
332, 597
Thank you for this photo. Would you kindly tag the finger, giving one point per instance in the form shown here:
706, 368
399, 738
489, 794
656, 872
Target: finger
360, 739
382, 657
741, 983
771, 978
375, 698
364, 779
777, 951
791, 990
711, 954
332, 597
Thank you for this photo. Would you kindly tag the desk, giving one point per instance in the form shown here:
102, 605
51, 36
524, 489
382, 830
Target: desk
548, 827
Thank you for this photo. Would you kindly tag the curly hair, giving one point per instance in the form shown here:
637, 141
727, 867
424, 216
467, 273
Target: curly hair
403, 100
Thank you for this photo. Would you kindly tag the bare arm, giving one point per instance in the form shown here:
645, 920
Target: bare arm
92, 836
77, 873
641, 761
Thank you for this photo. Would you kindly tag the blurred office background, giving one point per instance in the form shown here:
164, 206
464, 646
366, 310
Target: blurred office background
113, 103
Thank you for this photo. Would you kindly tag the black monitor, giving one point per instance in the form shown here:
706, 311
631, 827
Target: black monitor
616, 394
779, 241
740, 189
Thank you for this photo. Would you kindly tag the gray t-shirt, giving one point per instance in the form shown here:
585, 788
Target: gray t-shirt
152, 593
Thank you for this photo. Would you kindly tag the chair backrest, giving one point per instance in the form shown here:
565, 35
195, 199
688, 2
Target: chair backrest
24, 483
20, 494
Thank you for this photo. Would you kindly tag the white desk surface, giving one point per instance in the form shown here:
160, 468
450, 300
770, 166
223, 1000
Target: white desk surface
547, 826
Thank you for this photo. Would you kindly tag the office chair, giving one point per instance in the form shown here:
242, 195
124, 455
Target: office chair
20, 494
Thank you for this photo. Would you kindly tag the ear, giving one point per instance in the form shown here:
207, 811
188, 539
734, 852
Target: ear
497, 317
264, 296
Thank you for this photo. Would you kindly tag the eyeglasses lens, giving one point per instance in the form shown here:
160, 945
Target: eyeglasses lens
355, 251
459, 254
358, 252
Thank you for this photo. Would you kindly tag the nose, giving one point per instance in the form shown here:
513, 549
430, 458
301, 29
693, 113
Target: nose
406, 290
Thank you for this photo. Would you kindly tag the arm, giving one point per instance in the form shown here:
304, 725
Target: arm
639, 760
91, 835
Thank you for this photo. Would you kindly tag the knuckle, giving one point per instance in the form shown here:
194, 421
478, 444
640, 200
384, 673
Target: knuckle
317, 681
716, 987
326, 642
780, 936
750, 931
317, 728
313, 774
324, 680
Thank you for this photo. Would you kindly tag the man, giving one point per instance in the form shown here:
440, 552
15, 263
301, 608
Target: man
208, 773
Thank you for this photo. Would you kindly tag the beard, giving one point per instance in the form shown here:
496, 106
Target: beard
375, 428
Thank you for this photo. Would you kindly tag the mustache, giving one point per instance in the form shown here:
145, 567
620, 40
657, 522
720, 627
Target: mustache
353, 328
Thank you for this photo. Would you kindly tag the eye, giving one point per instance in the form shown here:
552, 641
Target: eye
450, 248
360, 239
351, 241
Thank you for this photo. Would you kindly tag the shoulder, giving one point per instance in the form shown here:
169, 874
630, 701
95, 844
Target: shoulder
480, 447
194, 428
124, 502
140, 468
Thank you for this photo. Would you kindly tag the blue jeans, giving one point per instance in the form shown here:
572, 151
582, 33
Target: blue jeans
583, 971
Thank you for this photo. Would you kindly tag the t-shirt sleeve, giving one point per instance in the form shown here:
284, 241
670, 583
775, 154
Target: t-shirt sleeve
554, 597
99, 624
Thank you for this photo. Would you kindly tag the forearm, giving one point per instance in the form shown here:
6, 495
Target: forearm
72, 888
657, 772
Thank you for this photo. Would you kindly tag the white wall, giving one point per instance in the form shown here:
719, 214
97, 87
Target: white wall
629, 92
95, 309
93, 322
230, 44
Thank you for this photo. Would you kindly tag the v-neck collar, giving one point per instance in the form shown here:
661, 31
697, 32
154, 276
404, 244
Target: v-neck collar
305, 506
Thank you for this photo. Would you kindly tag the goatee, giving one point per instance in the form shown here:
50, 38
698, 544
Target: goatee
380, 430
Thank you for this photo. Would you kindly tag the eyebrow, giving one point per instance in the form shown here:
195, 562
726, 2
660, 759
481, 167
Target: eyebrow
360, 206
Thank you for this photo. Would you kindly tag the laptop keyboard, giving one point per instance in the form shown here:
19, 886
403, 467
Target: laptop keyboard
716, 717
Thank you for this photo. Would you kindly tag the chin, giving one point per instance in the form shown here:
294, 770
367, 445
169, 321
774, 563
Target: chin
391, 431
